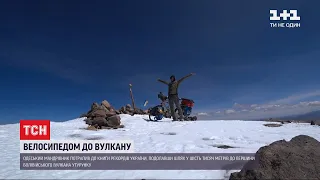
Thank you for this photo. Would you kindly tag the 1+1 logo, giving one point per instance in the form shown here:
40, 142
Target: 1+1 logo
35, 130
291, 15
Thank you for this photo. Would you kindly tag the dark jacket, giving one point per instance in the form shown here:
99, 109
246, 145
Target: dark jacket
173, 86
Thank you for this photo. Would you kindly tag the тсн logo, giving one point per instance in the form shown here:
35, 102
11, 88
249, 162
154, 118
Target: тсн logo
35, 130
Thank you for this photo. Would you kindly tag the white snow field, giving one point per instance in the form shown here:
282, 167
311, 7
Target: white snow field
191, 137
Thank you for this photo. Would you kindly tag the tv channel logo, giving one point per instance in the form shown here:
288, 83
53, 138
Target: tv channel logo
284, 19
35, 130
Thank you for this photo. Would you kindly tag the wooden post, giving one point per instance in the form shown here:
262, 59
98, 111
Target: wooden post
131, 95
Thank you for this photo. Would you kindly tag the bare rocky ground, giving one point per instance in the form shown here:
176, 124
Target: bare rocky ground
298, 158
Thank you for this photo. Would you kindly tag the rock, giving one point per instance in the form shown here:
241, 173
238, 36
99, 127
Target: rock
136, 111
106, 104
112, 108
99, 113
100, 121
83, 115
139, 111
278, 120
130, 110
128, 106
273, 125
313, 123
123, 108
117, 112
90, 115
225, 147
105, 109
126, 112
297, 159
113, 121
94, 106
110, 113
92, 128
88, 121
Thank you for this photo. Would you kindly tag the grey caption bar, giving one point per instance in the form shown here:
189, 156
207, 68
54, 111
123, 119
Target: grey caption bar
134, 161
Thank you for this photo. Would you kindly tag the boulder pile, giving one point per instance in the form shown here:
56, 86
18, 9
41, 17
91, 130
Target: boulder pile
103, 116
127, 109
298, 158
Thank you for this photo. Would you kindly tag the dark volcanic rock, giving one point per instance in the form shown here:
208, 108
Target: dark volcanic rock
99, 113
126, 112
88, 121
100, 121
128, 106
94, 105
286, 122
127, 109
105, 109
122, 109
106, 104
273, 125
279, 121
298, 158
225, 147
113, 121
111, 113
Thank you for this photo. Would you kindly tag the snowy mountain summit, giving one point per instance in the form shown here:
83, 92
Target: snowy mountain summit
164, 136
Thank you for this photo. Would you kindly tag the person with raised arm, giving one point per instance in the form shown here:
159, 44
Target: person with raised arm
173, 96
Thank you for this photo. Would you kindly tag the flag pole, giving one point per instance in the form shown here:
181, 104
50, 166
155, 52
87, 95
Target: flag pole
131, 95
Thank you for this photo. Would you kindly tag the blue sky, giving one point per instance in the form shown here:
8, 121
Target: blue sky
57, 57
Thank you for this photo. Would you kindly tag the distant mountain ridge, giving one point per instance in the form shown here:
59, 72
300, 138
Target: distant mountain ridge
313, 115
